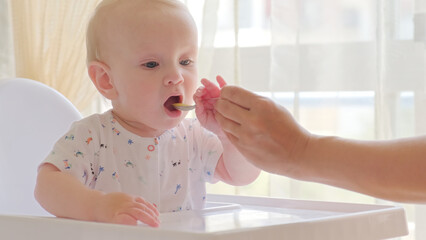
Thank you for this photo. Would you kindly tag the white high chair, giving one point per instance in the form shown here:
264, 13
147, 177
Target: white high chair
33, 117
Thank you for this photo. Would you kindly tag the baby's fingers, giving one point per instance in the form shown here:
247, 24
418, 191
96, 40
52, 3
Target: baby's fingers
221, 81
149, 205
146, 217
125, 219
210, 89
132, 216
209, 86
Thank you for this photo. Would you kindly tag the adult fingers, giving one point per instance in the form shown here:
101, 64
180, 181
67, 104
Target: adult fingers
233, 139
228, 126
231, 110
239, 96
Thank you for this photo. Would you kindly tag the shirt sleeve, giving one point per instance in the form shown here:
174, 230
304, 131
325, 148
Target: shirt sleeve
74, 153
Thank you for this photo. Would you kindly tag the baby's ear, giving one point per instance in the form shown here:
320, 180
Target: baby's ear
99, 74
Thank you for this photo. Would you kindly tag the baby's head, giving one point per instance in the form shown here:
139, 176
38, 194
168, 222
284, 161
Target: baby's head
109, 11
142, 56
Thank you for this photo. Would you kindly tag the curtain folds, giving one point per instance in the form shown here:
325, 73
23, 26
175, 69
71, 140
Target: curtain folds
375, 49
49, 38
7, 63
208, 27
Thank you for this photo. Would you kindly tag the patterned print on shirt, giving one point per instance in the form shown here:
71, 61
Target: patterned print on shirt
91, 168
178, 187
175, 164
70, 137
115, 175
89, 140
128, 164
178, 209
115, 131
211, 152
78, 154
142, 180
67, 165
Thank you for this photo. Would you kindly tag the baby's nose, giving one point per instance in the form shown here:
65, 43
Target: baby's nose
173, 78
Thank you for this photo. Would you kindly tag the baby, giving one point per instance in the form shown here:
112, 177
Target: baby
143, 156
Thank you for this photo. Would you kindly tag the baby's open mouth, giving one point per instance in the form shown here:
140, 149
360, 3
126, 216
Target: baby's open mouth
170, 101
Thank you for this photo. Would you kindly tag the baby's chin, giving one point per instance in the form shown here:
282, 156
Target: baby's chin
174, 122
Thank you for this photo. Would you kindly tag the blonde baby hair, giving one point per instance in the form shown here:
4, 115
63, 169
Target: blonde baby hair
103, 11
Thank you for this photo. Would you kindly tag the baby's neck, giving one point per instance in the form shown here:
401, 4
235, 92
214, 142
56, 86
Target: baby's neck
141, 132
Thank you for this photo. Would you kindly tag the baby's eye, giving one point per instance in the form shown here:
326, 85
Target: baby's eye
186, 62
150, 64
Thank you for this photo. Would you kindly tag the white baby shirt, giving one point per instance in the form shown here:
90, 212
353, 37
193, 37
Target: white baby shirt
169, 171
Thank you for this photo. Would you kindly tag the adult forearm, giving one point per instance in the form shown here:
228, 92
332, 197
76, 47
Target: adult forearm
391, 170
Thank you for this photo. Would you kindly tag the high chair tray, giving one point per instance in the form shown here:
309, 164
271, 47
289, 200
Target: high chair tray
230, 217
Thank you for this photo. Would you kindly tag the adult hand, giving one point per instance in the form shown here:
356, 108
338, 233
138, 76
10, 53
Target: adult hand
271, 139
122, 208
264, 132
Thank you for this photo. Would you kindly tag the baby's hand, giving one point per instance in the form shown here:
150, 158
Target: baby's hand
122, 208
205, 97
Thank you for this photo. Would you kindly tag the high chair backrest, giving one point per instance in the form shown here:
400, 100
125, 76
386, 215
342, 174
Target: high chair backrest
33, 117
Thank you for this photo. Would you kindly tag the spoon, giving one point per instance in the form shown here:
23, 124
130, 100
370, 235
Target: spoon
183, 106
186, 107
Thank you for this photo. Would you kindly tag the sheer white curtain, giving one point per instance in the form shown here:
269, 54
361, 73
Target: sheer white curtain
7, 63
44, 40
353, 68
